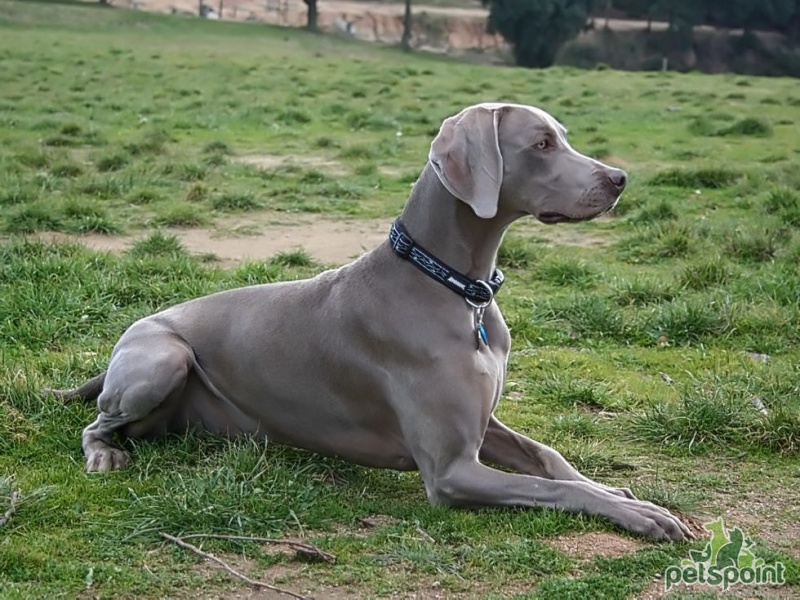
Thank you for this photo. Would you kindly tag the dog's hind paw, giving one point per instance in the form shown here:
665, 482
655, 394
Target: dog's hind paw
107, 459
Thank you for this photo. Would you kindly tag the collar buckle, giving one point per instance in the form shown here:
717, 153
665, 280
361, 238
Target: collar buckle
481, 304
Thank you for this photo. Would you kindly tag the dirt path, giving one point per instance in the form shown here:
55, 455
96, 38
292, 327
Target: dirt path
457, 29
328, 241
298, 7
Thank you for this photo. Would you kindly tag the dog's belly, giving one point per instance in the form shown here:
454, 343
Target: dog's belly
372, 440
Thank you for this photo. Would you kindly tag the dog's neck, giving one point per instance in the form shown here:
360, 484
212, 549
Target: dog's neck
449, 229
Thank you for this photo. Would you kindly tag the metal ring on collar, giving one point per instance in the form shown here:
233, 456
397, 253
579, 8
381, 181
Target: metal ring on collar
480, 305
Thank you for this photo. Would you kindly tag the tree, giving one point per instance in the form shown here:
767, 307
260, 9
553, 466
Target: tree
731, 13
607, 11
772, 15
536, 29
405, 41
792, 26
311, 24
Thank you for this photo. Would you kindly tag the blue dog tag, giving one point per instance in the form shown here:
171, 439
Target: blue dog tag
482, 334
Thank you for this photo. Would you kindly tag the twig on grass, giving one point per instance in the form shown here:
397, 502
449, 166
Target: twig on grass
12, 508
304, 549
228, 568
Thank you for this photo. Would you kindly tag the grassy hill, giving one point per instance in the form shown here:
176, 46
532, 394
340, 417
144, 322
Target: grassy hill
644, 343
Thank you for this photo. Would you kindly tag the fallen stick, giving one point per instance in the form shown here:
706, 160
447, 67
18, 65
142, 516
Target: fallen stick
306, 549
12, 508
228, 568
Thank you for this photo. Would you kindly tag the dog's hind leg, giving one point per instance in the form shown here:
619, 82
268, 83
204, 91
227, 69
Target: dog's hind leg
149, 368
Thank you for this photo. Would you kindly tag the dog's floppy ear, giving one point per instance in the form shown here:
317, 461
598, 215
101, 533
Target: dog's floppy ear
466, 157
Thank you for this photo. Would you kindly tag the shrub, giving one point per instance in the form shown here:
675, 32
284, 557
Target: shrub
705, 274
753, 246
663, 211
295, 258
689, 321
244, 200
515, 254
18, 194
642, 291
590, 315
565, 272
151, 142
144, 196
700, 420
712, 178
748, 127
182, 215
158, 244
197, 192
217, 147
702, 126
113, 162
32, 217
66, 169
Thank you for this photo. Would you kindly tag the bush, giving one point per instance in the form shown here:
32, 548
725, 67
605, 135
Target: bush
689, 321
705, 274
235, 201
712, 178
515, 254
748, 126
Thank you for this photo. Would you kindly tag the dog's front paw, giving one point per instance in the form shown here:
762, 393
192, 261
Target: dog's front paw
648, 519
106, 459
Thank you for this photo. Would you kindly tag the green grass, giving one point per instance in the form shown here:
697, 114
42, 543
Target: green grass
633, 336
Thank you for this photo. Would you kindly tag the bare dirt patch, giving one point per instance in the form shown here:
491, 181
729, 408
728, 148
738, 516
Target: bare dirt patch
290, 575
586, 546
555, 235
273, 161
655, 591
617, 161
328, 241
328, 166
374, 521
773, 521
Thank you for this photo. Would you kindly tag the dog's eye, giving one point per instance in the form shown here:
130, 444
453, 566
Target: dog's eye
543, 145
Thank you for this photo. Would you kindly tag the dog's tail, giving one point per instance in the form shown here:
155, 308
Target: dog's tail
88, 391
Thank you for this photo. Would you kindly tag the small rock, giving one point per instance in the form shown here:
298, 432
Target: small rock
377, 521
756, 357
667, 379
759, 404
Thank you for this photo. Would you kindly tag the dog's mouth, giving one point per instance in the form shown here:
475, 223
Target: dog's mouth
551, 218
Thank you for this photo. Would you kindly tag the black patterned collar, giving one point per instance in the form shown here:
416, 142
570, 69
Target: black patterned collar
476, 291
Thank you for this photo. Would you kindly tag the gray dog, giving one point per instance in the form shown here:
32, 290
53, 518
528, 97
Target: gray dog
396, 360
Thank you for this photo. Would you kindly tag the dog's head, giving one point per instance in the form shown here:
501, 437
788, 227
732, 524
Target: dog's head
516, 159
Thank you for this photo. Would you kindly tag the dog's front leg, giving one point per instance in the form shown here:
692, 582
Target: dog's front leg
444, 429
469, 483
505, 447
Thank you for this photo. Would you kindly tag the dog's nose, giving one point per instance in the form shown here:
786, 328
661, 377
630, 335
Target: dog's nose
618, 178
